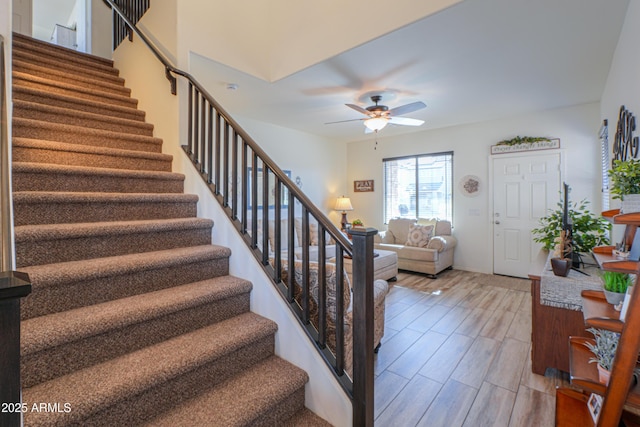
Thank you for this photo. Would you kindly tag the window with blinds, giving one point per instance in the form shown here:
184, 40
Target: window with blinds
604, 146
419, 186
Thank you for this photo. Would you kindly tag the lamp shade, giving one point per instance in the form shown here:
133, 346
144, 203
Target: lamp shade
376, 123
343, 204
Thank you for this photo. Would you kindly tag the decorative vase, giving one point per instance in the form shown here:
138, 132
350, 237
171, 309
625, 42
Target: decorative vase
613, 298
630, 203
603, 375
561, 266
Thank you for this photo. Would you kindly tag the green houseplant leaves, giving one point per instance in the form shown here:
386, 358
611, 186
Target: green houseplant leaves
588, 229
625, 178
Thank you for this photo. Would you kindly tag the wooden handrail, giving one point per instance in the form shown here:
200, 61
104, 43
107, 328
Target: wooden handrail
232, 163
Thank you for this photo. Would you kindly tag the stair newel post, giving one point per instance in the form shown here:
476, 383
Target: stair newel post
363, 326
13, 287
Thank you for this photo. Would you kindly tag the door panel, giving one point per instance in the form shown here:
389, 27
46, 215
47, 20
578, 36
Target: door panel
524, 189
22, 16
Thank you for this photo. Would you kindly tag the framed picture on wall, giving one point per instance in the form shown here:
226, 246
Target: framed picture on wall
363, 186
284, 200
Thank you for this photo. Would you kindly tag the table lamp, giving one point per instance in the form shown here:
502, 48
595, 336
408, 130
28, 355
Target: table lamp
343, 204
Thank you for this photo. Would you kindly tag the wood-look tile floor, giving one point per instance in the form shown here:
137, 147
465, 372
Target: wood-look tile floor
456, 352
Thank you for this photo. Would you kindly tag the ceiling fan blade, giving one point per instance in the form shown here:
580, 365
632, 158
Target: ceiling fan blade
358, 109
409, 108
405, 121
344, 121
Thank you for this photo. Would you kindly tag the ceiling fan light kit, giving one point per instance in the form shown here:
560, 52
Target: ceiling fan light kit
378, 116
376, 123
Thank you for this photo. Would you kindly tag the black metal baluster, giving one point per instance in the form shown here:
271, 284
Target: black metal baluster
225, 166
234, 176
305, 266
210, 147
291, 247
217, 154
277, 230
340, 303
203, 134
265, 215
254, 200
322, 289
190, 121
244, 188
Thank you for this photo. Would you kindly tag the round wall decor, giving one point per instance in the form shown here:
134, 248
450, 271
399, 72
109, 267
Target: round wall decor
470, 185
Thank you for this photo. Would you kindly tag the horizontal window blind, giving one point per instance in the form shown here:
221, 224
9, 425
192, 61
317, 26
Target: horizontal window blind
419, 186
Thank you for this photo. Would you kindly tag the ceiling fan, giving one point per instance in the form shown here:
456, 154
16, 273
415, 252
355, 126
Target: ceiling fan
380, 115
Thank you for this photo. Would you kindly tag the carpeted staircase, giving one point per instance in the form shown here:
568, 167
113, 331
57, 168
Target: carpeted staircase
134, 318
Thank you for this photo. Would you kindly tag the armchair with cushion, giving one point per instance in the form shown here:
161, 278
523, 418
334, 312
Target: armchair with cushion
381, 288
423, 245
330, 249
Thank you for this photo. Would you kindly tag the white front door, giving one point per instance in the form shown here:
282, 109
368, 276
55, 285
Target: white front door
524, 188
22, 16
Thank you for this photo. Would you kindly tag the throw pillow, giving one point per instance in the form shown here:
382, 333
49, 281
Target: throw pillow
419, 235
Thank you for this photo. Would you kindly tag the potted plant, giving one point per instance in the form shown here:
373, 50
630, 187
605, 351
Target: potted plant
604, 350
625, 183
357, 223
588, 230
615, 286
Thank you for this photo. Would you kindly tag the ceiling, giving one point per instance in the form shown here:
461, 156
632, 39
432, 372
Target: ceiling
478, 60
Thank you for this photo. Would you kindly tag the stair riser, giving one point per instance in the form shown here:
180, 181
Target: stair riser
37, 155
26, 181
67, 117
55, 362
53, 299
46, 98
60, 60
23, 128
62, 250
77, 92
113, 85
26, 213
281, 412
135, 410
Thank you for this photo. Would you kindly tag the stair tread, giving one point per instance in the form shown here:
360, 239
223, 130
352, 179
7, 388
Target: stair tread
73, 197
238, 401
153, 142
103, 106
111, 81
59, 328
90, 149
76, 76
87, 170
83, 270
97, 387
27, 41
19, 77
40, 232
77, 114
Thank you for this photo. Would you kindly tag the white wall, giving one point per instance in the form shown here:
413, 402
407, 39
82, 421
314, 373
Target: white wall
145, 76
623, 83
576, 127
99, 39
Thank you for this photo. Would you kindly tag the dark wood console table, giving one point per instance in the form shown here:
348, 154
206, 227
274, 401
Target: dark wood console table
554, 320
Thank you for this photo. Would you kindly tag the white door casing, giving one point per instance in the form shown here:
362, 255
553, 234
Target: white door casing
524, 189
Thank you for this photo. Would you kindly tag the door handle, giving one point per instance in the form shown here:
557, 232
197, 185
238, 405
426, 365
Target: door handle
497, 222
